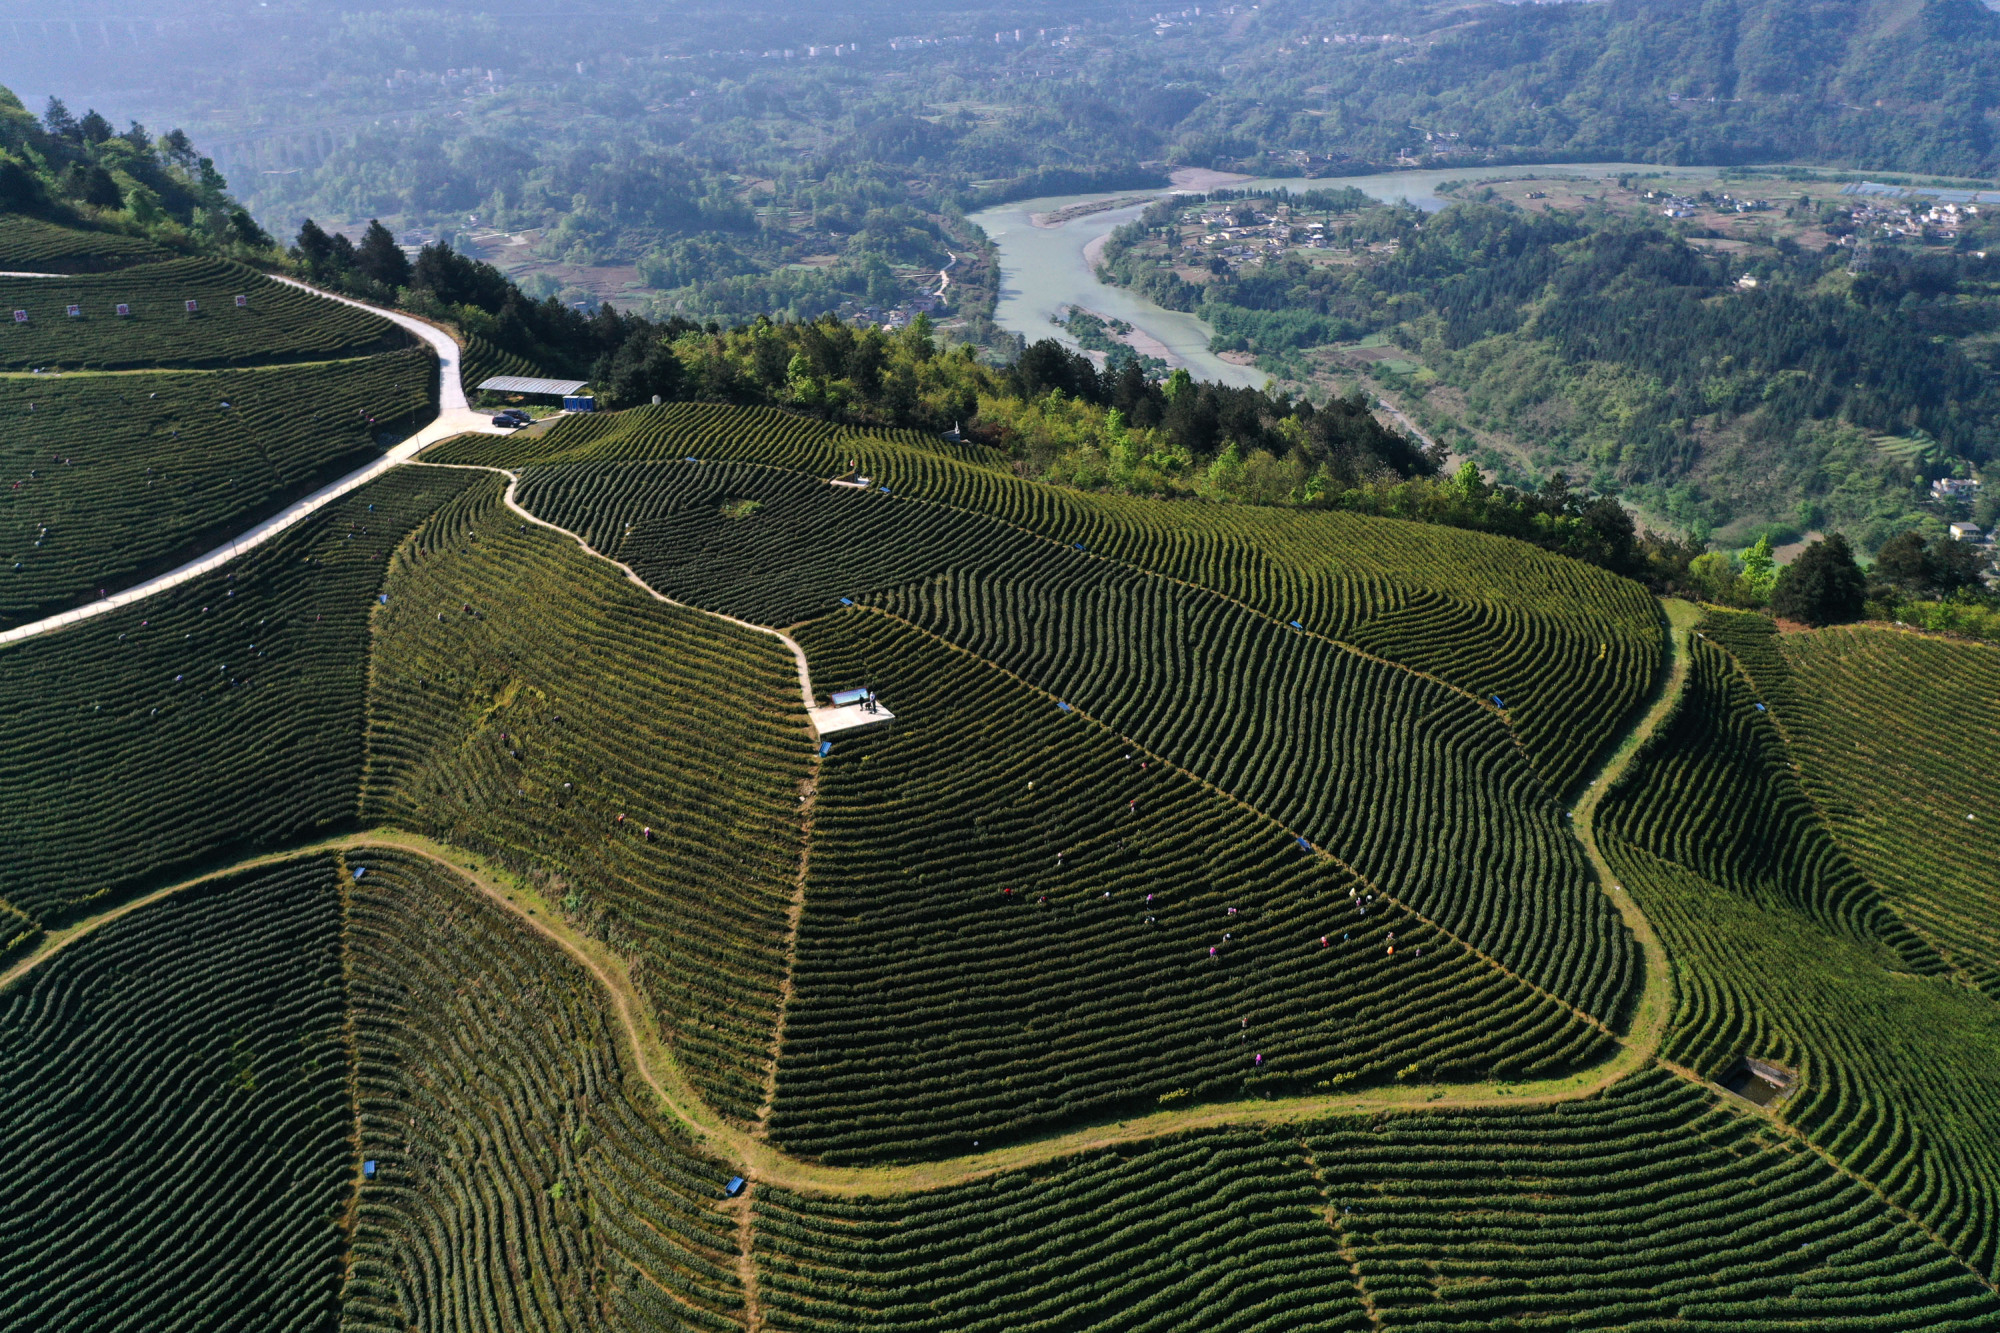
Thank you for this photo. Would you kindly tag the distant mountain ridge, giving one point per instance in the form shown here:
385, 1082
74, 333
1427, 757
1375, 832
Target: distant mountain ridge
1909, 85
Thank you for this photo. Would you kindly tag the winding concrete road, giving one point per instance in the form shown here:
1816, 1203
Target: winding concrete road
454, 417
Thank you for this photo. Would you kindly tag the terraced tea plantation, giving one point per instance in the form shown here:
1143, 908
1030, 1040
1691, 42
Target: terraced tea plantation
156, 328
176, 1115
521, 1177
1068, 927
106, 479
30, 245
1894, 734
1729, 858
221, 718
468, 910
1646, 1206
641, 762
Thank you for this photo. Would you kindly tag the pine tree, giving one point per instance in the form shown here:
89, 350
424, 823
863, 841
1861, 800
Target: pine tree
1822, 587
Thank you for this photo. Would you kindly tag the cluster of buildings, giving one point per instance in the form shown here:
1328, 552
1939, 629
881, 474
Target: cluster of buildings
1684, 206
1918, 221
1226, 238
891, 318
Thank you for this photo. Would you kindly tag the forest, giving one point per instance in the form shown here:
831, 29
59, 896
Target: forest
1702, 384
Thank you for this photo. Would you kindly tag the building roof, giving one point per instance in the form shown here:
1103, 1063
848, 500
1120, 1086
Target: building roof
517, 384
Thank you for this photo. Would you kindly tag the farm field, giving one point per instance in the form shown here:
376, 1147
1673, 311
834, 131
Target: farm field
640, 762
1060, 930
521, 1180
279, 324
217, 719
107, 479
1788, 956
1172, 667
1214, 940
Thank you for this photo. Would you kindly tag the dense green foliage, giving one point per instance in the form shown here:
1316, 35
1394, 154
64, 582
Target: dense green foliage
639, 761
1789, 954
1016, 919
174, 1115
1863, 82
1620, 351
1648, 1205
80, 170
1822, 587
280, 323
523, 1180
106, 479
220, 717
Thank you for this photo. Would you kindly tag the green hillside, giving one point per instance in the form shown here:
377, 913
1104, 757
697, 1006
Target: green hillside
141, 440
1225, 933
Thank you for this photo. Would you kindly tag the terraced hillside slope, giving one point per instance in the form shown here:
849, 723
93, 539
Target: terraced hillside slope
32, 245
1015, 919
275, 324
1649, 1205
1897, 744
1206, 944
142, 439
176, 1120
1569, 649
215, 720
106, 479
1789, 955
523, 1178
1346, 749
642, 762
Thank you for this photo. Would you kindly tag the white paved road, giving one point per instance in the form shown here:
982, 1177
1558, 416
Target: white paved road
454, 418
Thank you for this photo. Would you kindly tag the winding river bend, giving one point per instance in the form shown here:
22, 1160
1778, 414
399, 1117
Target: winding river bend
1043, 269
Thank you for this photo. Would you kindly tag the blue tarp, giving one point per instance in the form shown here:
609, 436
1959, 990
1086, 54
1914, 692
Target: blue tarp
1297, 625
825, 749
1060, 704
1498, 702
359, 871
733, 1188
1304, 845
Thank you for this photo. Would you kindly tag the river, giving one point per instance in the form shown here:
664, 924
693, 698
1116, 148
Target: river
1043, 269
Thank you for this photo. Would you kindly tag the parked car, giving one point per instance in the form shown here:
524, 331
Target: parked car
505, 422
518, 415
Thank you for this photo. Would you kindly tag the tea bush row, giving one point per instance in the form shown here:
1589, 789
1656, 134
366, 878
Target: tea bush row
216, 719
281, 323
1597, 639
1014, 921
1785, 953
29, 245
175, 1119
1646, 1206
107, 479
1419, 788
521, 1181
528, 702
1898, 746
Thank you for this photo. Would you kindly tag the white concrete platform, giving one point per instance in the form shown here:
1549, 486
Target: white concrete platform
832, 721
